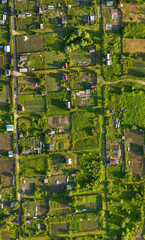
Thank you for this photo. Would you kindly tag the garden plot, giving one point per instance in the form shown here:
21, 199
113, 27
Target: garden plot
56, 104
52, 82
84, 98
32, 103
133, 12
28, 85
59, 141
53, 59
34, 43
58, 183
41, 206
59, 207
28, 185
133, 45
88, 202
7, 170
6, 93
82, 58
33, 165
81, 81
59, 228
58, 163
5, 60
79, 15
136, 161
28, 23
89, 225
5, 142
60, 122
21, 4
112, 18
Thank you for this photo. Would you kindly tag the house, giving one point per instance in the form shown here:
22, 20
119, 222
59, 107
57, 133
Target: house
5, 17
4, 1
23, 58
22, 70
9, 128
109, 62
41, 26
64, 21
92, 50
25, 152
68, 161
69, 6
7, 48
2, 22
51, 147
21, 15
10, 153
69, 187
109, 3
108, 27
38, 225
7, 72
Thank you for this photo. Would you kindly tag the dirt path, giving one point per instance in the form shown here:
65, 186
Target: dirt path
125, 80
138, 237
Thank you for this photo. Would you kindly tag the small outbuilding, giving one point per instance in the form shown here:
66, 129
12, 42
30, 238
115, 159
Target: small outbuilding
109, 3
69, 187
51, 147
23, 70
68, 161
21, 15
9, 128
23, 58
10, 153
7, 72
7, 48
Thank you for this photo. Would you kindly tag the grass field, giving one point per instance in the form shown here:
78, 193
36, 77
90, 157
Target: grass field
59, 228
52, 82
5, 142
34, 43
55, 103
34, 165
6, 94
32, 103
4, 61
86, 130
53, 59
27, 23
82, 58
133, 12
89, 202
133, 45
7, 169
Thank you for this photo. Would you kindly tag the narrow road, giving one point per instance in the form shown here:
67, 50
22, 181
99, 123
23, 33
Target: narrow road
16, 108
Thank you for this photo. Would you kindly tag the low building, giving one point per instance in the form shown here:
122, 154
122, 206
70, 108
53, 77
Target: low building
21, 15
10, 153
109, 3
51, 7
51, 147
7, 72
7, 48
9, 128
23, 70
23, 58
68, 161
25, 152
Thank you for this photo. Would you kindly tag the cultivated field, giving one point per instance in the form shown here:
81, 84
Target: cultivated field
34, 43
59, 122
59, 228
133, 45
7, 169
133, 12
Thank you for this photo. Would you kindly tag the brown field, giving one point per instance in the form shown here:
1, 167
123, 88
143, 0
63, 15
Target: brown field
133, 45
59, 122
5, 142
7, 169
133, 12
42, 207
136, 160
57, 188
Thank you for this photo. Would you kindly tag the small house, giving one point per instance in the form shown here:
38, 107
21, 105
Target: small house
109, 3
51, 147
23, 70
68, 161
7, 48
9, 128
64, 21
21, 15
10, 153
23, 58
25, 152
7, 72
2, 22
108, 27
69, 187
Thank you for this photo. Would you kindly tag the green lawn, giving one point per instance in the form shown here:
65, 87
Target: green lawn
32, 103
52, 82
53, 59
55, 102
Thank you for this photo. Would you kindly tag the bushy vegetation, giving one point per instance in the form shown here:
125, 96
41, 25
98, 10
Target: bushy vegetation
134, 30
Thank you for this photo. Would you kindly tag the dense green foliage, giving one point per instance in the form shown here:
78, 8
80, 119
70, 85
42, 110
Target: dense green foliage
134, 30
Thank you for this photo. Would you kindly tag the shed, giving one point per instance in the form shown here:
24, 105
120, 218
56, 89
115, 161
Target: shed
51, 147
92, 18
113, 162
87, 91
65, 65
68, 161
27, 214
109, 3
46, 180
25, 152
109, 62
92, 50
7, 48
10, 153
108, 56
92, 86
68, 105
41, 26
21, 15
2, 22
22, 70
9, 128
23, 58
7, 72
25, 38
69, 187
50, 7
